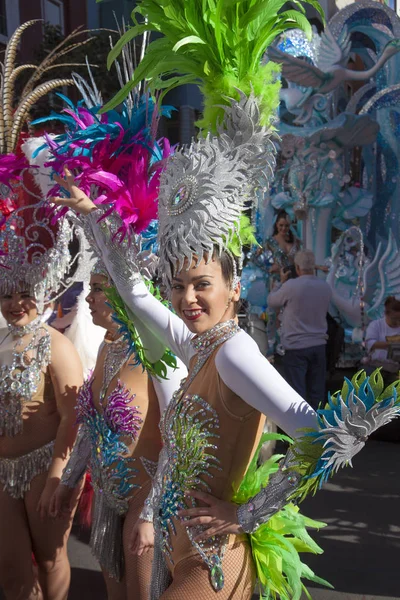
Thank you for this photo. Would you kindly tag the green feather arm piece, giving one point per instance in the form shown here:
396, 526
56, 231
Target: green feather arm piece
217, 44
127, 327
277, 544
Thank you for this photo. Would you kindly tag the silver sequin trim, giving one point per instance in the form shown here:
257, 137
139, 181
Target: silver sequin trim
16, 474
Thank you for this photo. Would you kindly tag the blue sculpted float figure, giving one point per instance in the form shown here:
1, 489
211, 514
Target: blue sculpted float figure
338, 169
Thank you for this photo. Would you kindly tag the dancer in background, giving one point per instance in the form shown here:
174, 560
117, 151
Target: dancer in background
283, 245
40, 378
120, 441
40, 370
118, 411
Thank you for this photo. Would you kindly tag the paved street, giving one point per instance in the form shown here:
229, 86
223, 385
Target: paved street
361, 542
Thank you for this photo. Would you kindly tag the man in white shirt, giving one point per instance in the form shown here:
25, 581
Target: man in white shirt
378, 332
305, 302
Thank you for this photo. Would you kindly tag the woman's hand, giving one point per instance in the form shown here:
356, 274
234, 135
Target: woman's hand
142, 537
44, 504
284, 274
218, 517
78, 201
63, 500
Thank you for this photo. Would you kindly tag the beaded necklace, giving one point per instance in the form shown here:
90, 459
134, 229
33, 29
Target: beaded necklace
207, 342
20, 380
24, 329
117, 353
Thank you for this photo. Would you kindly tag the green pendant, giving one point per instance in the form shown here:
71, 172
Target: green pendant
217, 578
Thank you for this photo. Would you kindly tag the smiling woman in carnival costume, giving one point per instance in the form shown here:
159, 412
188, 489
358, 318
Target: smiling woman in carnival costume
216, 516
40, 369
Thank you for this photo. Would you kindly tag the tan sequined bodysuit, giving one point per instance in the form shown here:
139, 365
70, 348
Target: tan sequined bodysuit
211, 415
119, 440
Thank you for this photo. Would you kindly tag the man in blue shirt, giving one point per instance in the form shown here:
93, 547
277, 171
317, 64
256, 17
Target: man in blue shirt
305, 302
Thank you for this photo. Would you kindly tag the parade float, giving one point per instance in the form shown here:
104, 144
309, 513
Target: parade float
338, 166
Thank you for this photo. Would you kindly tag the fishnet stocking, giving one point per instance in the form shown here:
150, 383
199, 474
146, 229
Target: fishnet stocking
191, 577
135, 584
137, 568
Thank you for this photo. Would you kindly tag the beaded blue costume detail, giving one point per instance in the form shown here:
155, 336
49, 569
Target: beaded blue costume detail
112, 474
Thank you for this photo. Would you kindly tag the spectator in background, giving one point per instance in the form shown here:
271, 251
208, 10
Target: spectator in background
378, 342
282, 244
305, 302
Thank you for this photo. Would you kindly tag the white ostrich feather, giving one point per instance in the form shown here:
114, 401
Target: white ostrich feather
42, 175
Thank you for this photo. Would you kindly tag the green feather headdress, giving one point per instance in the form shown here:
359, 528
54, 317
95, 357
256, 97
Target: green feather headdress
218, 44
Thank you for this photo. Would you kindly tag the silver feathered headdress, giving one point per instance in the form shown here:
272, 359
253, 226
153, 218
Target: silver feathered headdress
35, 255
99, 268
206, 187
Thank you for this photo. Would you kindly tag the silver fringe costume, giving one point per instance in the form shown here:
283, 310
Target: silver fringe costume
16, 474
100, 447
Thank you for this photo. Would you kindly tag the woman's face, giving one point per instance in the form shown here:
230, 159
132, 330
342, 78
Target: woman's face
19, 309
100, 310
283, 227
392, 318
202, 297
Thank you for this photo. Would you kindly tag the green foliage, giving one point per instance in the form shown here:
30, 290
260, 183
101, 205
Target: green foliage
218, 44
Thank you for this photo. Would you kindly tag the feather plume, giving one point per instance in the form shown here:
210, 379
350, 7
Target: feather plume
115, 156
54, 55
18, 70
277, 544
345, 423
23, 109
37, 153
216, 44
13, 115
7, 91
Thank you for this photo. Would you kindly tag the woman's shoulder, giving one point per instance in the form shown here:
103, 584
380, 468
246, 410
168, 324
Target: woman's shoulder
271, 241
61, 346
236, 352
